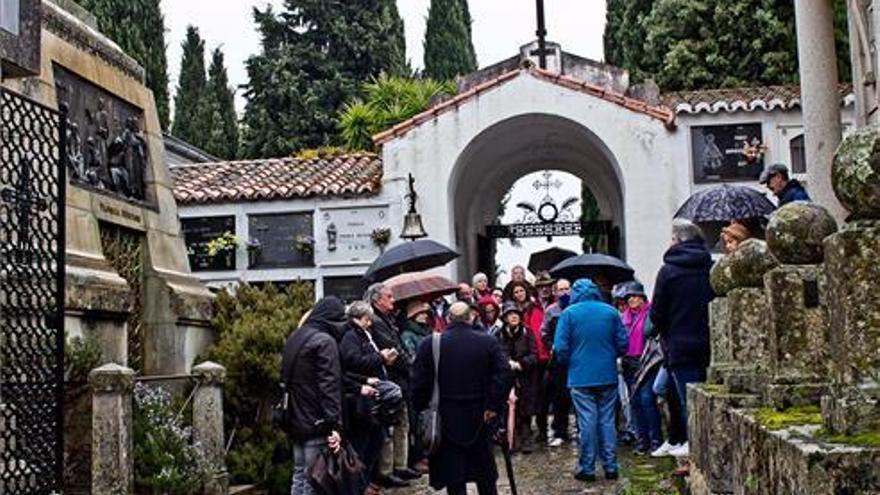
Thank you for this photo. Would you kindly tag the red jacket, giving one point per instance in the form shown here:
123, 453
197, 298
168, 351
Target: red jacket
533, 319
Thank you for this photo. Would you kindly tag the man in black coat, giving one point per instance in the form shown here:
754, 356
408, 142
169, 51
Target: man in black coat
680, 309
312, 375
393, 464
474, 379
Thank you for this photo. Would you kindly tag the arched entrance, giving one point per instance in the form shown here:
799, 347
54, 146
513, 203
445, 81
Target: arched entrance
494, 159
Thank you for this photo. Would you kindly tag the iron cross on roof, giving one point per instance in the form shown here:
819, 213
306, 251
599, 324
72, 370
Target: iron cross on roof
542, 50
27, 200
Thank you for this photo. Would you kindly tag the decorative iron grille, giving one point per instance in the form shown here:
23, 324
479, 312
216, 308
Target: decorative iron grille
32, 181
124, 250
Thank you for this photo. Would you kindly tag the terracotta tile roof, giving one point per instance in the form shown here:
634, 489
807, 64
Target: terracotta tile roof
663, 114
277, 178
766, 98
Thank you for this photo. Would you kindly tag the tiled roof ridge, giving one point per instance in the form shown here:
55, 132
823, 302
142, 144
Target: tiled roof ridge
749, 98
353, 154
665, 115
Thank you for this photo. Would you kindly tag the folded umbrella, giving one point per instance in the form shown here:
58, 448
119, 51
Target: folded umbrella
591, 266
420, 285
548, 258
724, 203
409, 257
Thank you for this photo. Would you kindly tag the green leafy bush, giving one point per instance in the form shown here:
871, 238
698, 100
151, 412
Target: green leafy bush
165, 459
253, 325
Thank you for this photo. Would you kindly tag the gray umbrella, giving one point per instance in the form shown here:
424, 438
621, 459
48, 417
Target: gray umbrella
724, 203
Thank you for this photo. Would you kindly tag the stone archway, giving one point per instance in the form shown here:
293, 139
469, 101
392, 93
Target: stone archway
494, 159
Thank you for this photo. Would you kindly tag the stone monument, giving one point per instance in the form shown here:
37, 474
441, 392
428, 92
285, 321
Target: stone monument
127, 277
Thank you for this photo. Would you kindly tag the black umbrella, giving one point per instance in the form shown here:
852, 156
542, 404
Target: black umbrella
592, 266
548, 258
724, 203
409, 257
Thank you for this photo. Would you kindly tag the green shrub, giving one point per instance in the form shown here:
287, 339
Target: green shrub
165, 459
253, 325
81, 356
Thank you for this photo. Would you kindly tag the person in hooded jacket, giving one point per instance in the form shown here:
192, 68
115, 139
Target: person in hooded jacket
490, 314
312, 375
680, 310
518, 345
589, 339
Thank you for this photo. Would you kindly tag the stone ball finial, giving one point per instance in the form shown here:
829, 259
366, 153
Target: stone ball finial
749, 262
855, 175
720, 277
796, 231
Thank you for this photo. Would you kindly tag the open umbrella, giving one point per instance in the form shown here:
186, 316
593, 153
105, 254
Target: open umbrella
409, 257
591, 266
724, 203
421, 285
548, 258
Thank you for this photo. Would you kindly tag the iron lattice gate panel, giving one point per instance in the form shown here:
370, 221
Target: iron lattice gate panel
32, 179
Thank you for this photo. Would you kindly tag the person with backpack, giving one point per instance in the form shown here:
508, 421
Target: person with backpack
312, 376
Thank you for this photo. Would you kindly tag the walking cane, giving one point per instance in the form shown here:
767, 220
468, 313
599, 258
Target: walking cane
501, 438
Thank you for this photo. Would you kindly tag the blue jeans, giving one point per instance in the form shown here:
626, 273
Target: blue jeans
644, 405
594, 407
682, 376
303, 456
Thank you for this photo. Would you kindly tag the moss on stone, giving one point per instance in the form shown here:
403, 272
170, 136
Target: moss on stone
866, 439
794, 416
715, 388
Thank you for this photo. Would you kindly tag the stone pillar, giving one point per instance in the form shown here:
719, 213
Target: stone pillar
112, 462
852, 271
208, 422
798, 317
820, 97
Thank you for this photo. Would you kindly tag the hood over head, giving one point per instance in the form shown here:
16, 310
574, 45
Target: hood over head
329, 316
585, 290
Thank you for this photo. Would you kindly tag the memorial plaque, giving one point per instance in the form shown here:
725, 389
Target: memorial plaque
106, 149
349, 289
198, 232
720, 152
346, 234
285, 240
20, 22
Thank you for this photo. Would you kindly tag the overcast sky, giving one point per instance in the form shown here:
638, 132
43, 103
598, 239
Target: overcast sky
499, 28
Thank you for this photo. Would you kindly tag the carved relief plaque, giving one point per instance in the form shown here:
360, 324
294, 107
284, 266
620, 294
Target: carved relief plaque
106, 149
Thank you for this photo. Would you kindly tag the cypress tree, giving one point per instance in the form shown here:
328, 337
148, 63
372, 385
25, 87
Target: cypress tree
220, 103
315, 57
449, 51
138, 27
189, 117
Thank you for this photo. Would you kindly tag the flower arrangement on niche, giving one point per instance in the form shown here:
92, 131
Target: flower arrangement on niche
304, 244
226, 242
381, 236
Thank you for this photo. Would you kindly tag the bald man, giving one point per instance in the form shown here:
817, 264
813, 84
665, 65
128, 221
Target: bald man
474, 379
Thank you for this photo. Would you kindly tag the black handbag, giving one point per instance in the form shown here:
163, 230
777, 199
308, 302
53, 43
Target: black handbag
429, 419
336, 474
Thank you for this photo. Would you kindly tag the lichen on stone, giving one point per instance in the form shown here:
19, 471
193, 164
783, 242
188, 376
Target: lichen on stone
720, 277
855, 175
796, 231
749, 262
865, 439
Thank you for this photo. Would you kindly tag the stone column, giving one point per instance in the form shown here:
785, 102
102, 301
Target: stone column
208, 422
798, 317
112, 462
852, 272
820, 97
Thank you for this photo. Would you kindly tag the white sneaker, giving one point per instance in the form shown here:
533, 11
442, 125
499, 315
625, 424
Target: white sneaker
663, 450
556, 442
682, 450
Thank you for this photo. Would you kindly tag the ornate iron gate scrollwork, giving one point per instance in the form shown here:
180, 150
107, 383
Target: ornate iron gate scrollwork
32, 184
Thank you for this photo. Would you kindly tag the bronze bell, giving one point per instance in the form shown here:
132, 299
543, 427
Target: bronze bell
412, 227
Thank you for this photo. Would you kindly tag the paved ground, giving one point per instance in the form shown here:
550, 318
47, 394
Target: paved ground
549, 472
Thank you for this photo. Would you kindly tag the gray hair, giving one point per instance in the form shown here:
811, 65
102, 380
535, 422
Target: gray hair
359, 309
459, 312
374, 292
480, 277
684, 230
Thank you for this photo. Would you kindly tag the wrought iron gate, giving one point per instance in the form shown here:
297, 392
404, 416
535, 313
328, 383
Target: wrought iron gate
32, 182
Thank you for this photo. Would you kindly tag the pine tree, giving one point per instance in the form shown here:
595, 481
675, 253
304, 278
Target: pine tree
138, 27
220, 102
449, 51
315, 56
190, 118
